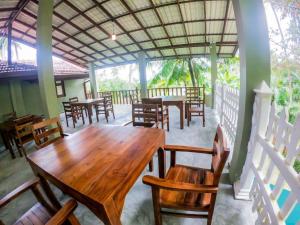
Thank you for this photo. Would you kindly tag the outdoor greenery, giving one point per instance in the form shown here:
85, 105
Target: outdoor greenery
195, 72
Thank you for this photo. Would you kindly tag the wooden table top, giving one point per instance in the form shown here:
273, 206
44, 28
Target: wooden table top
88, 101
98, 163
172, 98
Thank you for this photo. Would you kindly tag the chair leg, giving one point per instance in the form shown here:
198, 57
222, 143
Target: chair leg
151, 165
97, 116
67, 121
188, 119
168, 124
113, 112
82, 117
106, 116
156, 207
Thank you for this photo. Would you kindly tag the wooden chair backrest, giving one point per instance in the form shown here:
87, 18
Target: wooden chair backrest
68, 108
195, 95
74, 99
154, 101
108, 100
134, 98
9, 116
145, 115
23, 127
220, 155
47, 132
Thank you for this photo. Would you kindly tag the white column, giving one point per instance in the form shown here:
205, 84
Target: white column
260, 119
143, 76
93, 82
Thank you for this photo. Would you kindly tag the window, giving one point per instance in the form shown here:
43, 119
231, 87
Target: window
60, 88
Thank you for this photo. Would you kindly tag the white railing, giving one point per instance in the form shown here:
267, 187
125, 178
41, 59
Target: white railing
227, 107
273, 147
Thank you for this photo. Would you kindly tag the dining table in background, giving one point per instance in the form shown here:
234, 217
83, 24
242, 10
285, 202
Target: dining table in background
98, 166
177, 101
88, 104
7, 131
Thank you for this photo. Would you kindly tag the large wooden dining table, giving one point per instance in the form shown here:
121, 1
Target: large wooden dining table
177, 101
88, 104
98, 166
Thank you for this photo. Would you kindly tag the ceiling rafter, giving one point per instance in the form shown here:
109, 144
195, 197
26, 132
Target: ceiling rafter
224, 25
78, 28
55, 54
116, 22
229, 43
140, 24
56, 39
184, 28
162, 23
93, 22
58, 48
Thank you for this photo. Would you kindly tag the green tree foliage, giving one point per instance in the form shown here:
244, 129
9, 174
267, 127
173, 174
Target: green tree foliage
178, 73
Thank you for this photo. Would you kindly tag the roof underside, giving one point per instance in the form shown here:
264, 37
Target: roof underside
162, 28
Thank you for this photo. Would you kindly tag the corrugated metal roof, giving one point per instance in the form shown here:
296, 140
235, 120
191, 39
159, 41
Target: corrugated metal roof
161, 28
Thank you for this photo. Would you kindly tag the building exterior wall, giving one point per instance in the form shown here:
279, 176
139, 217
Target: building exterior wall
32, 97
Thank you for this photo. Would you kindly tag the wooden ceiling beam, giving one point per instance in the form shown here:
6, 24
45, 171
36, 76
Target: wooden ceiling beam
162, 23
232, 43
184, 28
57, 39
224, 25
67, 35
116, 22
55, 54
58, 48
8, 9
78, 28
140, 24
94, 24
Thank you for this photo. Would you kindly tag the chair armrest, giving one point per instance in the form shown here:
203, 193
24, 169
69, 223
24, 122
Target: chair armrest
127, 123
18, 191
178, 186
182, 148
63, 214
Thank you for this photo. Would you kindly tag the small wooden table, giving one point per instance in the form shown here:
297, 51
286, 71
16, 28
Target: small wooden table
98, 166
88, 104
177, 101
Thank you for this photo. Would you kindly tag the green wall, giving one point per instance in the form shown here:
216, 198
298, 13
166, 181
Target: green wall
73, 88
32, 97
5, 103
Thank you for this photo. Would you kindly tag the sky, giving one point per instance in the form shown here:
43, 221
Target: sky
28, 53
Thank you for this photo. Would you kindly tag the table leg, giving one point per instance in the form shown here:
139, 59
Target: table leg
111, 213
161, 163
7, 144
181, 115
90, 112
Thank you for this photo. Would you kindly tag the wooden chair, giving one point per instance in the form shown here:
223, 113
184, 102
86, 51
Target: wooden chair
195, 103
42, 212
134, 99
76, 99
105, 107
189, 188
47, 132
72, 112
145, 116
9, 116
23, 132
163, 111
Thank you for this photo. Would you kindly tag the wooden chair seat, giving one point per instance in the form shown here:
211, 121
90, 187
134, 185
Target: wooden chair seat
187, 200
37, 215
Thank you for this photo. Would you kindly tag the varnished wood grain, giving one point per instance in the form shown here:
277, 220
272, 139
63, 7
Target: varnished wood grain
185, 187
98, 166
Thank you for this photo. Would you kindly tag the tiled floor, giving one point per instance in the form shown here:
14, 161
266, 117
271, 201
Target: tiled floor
138, 204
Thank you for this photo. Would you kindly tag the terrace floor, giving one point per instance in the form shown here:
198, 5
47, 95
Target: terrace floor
138, 205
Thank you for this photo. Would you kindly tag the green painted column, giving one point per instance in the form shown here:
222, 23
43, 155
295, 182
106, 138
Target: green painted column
44, 59
254, 52
16, 95
142, 71
93, 81
214, 71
